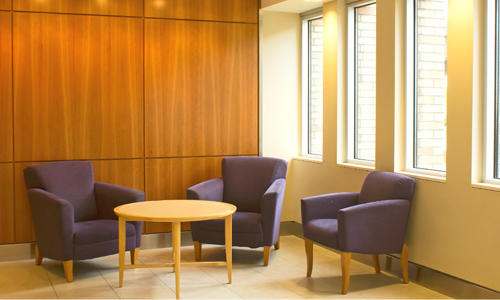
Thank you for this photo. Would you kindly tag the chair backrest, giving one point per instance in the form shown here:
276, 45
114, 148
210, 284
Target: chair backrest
71, 180
385, 186
247, 178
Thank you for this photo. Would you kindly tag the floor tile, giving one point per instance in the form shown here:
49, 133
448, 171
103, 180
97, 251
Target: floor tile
350, 295
27, 291
284, 277
144, 292
132, 277
269, 290
207, 292
12, 272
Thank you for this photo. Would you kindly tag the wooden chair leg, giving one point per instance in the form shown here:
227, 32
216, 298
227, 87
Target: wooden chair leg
68, 270
134, 256
267, 253
38, 257
404, 264
346, 266
376, 263
309, 254
197, 251
277, 245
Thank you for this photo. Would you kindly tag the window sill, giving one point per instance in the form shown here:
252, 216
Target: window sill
424, 176
309, 159
356, 166
486, 186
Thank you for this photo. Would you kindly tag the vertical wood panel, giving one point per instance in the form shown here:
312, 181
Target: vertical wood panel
6, 204
213, 10
5, 87
78, 87
95, 7
201, 88
5, 4
25, 232
170, 178
128, 173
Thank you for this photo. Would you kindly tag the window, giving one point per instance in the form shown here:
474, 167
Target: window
426, 107
313, 86
361, 84
492, 103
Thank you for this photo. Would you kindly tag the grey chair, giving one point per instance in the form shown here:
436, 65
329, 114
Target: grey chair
372, 221
255, 185
73, 215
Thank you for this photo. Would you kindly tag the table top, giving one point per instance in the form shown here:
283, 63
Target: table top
174, 210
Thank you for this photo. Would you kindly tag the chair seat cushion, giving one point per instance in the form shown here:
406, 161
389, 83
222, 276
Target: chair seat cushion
244, 222
323, 231
96, 231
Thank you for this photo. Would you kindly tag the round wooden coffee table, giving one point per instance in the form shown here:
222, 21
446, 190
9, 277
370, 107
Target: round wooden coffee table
175, 211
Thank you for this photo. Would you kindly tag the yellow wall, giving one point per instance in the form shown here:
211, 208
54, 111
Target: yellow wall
454, 225
280, 83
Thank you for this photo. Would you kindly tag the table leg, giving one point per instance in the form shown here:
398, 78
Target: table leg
121, 247
177, 257
229, 246
173, 254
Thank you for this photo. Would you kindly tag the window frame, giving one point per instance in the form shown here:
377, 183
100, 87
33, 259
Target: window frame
351, 100
492, 99
306, 113
411, 96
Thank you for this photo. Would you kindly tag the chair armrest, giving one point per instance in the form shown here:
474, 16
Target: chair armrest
271, 207
326, 206
53, 218
212, 190
374, 228
108, 196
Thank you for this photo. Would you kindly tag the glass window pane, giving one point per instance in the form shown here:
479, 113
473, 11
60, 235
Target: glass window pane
365, 81
315, 93
497, 94
430, 84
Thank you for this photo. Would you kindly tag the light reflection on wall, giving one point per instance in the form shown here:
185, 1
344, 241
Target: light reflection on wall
159, 3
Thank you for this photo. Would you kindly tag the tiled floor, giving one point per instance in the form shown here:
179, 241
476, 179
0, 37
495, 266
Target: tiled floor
284, 278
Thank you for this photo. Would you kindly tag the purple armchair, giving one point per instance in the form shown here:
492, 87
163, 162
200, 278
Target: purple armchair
255, 185
73, 215
372, 221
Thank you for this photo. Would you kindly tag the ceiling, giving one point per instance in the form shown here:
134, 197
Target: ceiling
291, 6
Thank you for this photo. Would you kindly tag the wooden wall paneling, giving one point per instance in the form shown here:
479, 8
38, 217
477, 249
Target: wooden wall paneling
201, 96
128, 173
7, 233
25, 232
5, 4
212, 10
78, 90
170, 178
94, 7
5, 87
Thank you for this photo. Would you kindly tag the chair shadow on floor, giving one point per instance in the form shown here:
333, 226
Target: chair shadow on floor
84, 269
360, 282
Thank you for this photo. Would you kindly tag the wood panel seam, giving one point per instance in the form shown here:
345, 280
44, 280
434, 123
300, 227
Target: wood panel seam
197, 20
13, 135
133, 17
144, 98
74, 14
131, 158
